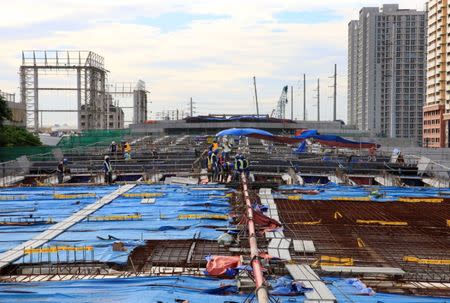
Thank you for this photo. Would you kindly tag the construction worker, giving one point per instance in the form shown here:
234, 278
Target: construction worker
127, 156
113, 147
238, 166
226, 172
107, 169
246, 165
372, 154
215, 145
214, 160
60, 172
127, 147
226, 149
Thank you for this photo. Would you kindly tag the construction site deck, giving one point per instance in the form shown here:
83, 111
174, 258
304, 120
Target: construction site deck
353, 228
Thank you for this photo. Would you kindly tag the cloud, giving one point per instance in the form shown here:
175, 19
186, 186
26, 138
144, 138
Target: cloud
308, 17
173, 21
208, 50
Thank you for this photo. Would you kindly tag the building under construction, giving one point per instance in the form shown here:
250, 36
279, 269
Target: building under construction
322, 225
95, 106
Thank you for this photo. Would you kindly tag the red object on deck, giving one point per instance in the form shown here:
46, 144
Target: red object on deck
263, 222
218, 265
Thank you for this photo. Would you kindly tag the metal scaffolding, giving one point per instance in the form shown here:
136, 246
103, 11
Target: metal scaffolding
90, 85
128, 90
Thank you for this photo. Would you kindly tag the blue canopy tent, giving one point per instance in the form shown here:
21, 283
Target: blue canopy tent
243, 132
333, 140
328, 140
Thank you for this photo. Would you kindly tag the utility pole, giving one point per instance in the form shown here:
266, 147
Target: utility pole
256, 96
304, 97
318, 99
292, 102
191, 108
334, 92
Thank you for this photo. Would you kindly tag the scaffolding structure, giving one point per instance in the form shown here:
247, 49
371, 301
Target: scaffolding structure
90, 88
128, 90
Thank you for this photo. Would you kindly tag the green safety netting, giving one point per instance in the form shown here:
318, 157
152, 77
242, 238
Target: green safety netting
11, 153
99, 137
85, 138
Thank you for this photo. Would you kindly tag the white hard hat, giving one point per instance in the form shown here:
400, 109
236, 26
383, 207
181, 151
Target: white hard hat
106, 157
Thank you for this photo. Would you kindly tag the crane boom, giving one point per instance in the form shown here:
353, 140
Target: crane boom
280, 112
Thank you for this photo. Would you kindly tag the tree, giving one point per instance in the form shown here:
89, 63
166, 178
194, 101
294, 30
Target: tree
17, 136
5, 111
12, 135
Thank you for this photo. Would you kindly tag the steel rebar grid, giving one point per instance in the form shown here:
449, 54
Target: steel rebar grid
261, 291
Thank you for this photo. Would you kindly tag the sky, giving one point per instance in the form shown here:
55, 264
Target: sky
205, 49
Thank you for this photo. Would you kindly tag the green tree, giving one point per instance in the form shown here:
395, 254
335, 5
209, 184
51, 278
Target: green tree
17, 136
5, 111
12, 135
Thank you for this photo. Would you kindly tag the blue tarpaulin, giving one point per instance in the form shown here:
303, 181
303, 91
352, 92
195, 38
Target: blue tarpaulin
159, 220
177, 289
243, 132
333, 140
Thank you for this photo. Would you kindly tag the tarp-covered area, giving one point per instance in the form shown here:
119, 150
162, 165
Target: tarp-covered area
332, 140
346, 292
243, 132
171, 212
38, 206
177, 289
332, 191
311, 134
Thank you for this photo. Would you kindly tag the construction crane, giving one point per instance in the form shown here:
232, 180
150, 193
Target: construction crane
280, 111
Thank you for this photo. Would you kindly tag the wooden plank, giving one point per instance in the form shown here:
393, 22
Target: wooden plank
279, 253
322, 290
309, 246
302, 272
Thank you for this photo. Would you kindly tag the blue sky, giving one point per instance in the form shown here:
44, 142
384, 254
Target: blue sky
208, 50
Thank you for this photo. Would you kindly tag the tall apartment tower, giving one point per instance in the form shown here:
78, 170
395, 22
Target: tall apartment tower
436, 111
386, 71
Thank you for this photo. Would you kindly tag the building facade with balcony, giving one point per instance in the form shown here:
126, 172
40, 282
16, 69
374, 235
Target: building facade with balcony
387, 71
436, 111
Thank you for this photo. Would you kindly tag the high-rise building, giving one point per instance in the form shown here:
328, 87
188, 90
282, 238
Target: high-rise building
436, 111
386, 71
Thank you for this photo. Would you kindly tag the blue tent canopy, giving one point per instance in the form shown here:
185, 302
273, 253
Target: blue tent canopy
243, 132
333, 140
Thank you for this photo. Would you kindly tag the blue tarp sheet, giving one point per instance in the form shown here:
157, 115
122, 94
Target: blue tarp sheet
243, 132
346, 293
171, 289
331, 139
38, 202
159, 220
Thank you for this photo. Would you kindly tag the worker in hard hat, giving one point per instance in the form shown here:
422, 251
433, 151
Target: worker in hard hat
113, 147
60, 172
107, 169
127, 147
